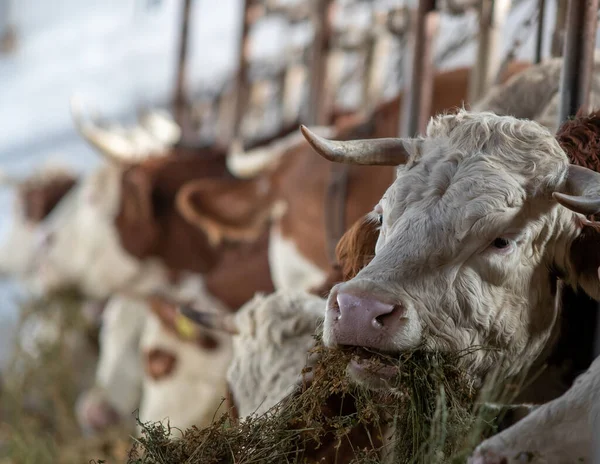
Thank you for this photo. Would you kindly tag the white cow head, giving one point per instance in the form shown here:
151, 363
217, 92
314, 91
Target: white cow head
272, 337
472, 238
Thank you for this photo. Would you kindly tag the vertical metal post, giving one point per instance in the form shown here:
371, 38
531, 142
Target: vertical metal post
419, 88
241, 82
578, 57
559, 29
179, 99
368, 101
318, 113
492, 15
539, 36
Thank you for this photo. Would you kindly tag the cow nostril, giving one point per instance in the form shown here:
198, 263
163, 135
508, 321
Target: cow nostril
380, 321
334, 307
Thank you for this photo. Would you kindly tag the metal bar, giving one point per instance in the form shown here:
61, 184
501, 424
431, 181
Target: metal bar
539, 37
559, 29
179, 99
318, 111
578, 58
367, 100
418, 89
492, 15
241, 89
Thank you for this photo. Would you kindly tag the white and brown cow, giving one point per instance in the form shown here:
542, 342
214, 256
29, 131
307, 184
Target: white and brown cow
472, 239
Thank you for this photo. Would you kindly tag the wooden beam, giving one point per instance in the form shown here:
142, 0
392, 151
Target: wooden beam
539, 36
180, 101
557, 44
318, 109
492, 16
578, 57
242, 86
418, 88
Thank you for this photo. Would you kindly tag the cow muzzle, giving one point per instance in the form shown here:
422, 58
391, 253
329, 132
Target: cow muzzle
356, 317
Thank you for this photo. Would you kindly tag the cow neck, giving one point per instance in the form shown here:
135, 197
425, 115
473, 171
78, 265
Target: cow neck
242, 269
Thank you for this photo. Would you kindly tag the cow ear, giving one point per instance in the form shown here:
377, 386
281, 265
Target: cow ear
228, 209
136, 223
356, 248
584, 259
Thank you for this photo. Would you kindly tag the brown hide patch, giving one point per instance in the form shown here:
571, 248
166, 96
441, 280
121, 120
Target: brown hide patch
178, 325
356, 248
39, 198
242, 271
228, 210
148, 221
160, 363
137, 227
585, 250
580, 139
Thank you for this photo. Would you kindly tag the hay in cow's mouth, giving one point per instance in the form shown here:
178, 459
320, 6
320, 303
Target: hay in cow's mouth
431, 407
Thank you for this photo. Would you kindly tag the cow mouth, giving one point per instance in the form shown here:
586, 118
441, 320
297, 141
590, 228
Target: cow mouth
372, 368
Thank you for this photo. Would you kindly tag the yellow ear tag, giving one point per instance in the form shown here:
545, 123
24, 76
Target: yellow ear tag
185, 328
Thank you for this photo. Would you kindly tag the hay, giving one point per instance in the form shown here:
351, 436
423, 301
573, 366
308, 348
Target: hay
41, 384
430, 404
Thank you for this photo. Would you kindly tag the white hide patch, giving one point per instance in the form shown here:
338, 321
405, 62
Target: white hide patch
290, 270
192, 393
119, 372
276, 333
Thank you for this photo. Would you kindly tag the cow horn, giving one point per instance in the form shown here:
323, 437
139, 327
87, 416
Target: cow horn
161, 126
97, 137
379, 152
581, 192
216, 321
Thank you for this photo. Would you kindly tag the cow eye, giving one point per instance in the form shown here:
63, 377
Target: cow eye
379, 212
501, 243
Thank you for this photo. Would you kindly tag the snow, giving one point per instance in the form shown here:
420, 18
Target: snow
121, 54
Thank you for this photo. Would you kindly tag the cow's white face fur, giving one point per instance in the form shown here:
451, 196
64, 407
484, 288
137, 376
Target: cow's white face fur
470, 237
276, 333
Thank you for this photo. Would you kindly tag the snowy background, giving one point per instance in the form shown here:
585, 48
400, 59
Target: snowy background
121, 54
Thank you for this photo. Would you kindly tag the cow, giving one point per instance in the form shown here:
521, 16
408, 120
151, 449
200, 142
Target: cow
477, 195
562, 430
